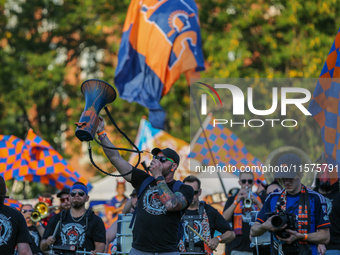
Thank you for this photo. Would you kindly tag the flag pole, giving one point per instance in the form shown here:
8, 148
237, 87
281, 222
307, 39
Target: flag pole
206, 140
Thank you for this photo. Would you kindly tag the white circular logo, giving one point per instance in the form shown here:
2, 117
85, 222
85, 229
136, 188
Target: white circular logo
151, 202
5, 229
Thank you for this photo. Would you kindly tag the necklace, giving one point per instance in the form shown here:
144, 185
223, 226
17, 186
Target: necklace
78, 219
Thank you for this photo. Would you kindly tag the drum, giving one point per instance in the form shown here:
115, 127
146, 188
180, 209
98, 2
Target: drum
124, 234
258, 240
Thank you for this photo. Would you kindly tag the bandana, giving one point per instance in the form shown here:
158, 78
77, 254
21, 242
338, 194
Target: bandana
79, 186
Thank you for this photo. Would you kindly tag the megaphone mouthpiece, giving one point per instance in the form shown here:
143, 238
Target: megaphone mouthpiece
97, 94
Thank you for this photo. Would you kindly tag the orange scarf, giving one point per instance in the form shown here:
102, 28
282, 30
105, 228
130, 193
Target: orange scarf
238, 212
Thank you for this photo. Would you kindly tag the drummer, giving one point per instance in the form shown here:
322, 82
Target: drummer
205, 220
78, 226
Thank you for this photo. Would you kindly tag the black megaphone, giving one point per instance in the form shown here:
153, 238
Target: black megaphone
97, 94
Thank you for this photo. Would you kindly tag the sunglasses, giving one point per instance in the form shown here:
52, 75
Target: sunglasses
196, 192
244, 181
80, 193
163, 159
25, 211
63, 200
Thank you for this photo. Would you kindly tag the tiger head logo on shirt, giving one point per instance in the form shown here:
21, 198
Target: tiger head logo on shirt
73, 234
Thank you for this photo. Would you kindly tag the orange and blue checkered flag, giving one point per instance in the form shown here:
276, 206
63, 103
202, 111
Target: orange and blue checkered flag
325, 106
14, 157
160, 41
226, 147
35, 160
13, 203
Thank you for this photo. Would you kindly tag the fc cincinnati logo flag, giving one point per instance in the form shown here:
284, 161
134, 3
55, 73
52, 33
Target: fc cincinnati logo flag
161, 40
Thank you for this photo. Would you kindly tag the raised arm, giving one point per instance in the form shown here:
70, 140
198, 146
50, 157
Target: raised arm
172, 201
113, 155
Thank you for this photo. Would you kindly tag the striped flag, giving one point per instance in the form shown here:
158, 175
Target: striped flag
149, 137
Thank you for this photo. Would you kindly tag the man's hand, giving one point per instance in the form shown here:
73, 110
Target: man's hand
50, 240
242, 194
294, 236
94, 252
213, 243
156, 168
101, 124
322, 249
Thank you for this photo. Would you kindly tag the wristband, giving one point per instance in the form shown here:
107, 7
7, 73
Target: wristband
159, 178
305, 238
219, 238
235, 203
100, 133
101, 137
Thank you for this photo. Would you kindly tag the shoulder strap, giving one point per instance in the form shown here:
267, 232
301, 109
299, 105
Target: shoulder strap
142, 187
201, 208
177, 186
144, 184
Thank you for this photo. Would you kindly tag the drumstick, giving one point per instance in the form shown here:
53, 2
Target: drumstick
56, 230
88, 252
193, 230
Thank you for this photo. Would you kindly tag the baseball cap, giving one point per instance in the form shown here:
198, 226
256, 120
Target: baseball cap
289, 166
134, 192
170, 153
63, 191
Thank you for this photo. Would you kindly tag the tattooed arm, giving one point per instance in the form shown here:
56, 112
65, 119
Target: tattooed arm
172, 201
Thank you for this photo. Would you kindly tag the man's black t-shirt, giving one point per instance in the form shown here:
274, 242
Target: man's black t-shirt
216, 222
13, 230
155, 228
241, 242
333, 211
35, 245
76, 233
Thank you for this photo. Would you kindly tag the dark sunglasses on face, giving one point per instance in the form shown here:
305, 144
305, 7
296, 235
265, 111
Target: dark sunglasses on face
80, 193
25, 211
63, 200
196, 192
244, 181
163, 159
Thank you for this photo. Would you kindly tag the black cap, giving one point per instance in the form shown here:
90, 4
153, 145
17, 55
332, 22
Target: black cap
63, 191
289, 166
134, 192
170, 153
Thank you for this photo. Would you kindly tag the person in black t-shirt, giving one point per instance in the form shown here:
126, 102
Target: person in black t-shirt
159, 209
13, 229
36, 230
78, 227
205, 220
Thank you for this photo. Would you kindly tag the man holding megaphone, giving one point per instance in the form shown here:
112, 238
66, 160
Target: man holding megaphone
161, 199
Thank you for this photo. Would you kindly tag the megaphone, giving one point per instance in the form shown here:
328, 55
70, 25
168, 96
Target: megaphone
97, 94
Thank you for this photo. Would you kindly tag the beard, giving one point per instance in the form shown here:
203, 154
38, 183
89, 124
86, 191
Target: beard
77, 204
